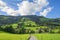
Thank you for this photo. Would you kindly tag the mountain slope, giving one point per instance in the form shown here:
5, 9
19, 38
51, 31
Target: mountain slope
31, 20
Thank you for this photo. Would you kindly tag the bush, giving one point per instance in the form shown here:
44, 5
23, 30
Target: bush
9, 29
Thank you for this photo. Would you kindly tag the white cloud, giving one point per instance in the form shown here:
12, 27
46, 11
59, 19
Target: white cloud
26, 8
7, 9
30, 8
45, 12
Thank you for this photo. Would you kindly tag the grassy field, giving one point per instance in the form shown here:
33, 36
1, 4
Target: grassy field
8, 36
47, 36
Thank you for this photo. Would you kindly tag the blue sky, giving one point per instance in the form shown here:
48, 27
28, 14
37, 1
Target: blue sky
55, 13
54, 4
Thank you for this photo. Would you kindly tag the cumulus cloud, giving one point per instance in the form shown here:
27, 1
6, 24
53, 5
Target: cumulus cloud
7, 9
45, 11
30, 8
27, 8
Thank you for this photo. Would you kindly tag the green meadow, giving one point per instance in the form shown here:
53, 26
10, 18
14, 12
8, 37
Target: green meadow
8, 36
45, 36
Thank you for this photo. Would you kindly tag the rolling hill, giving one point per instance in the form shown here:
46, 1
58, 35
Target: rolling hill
29, 20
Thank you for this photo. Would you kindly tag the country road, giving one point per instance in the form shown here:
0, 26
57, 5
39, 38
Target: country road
32, 37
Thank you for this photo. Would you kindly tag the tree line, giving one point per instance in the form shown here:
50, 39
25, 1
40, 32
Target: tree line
23, 30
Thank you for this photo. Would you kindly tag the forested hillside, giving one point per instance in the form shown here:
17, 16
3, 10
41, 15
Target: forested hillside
29, 20
29, 24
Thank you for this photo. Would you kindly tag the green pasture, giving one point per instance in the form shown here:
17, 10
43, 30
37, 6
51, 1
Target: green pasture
45, 36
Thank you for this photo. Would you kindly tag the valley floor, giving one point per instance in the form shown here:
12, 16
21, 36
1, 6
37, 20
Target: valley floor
8, 36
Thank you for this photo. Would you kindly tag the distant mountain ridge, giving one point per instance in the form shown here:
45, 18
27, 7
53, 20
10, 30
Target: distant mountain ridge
29, 20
